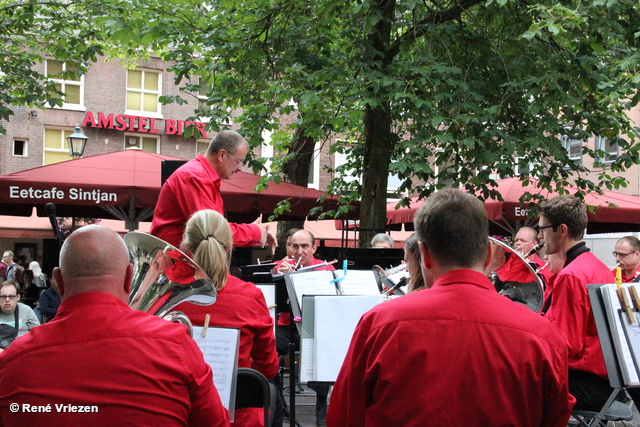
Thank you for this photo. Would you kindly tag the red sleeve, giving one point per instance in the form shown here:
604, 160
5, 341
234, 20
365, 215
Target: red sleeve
264, 356
206, 406
245, 234
196, 195
569, 311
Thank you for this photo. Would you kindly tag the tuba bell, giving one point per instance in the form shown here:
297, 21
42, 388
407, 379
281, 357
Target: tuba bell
164, 277
521, 283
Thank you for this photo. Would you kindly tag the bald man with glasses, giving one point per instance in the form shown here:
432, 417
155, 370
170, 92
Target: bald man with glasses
627, 254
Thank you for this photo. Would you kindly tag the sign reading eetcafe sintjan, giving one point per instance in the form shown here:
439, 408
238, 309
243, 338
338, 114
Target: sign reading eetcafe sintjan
128, 123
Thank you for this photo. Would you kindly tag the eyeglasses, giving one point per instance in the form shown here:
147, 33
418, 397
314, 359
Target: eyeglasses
621, 255
9, 297
239, 161
546, 226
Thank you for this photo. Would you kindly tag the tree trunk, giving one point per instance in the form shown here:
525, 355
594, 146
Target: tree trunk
378, 144
295, 172
378, 139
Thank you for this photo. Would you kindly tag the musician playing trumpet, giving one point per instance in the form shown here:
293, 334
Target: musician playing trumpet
300, 254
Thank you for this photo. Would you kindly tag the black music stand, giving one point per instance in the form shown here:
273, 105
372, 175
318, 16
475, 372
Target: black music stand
610, 358
283, 305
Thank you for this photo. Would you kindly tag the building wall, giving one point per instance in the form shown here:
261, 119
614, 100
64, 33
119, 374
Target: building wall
104, 92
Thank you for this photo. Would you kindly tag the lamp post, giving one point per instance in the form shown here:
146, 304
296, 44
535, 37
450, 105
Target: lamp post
77, 141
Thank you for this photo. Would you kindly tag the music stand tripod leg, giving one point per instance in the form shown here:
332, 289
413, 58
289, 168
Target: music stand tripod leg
292, 371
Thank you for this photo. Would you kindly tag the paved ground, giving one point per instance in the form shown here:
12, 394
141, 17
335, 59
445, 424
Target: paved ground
305, 411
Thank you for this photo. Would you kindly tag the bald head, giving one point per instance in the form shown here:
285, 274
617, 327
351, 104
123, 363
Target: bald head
94, 259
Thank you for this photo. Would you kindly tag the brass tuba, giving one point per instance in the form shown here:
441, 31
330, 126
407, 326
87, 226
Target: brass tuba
522, 284
164, 277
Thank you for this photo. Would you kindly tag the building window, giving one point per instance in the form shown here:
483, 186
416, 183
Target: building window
143, 92
347, 174
20, 148
56, 149
314, 168
201, 146
202, 95
204, 106
67, 82
609, 146
573, 147
145, 143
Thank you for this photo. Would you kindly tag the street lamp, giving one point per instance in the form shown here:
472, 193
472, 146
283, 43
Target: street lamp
77, 140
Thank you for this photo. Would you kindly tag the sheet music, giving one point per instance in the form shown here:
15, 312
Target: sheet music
336, 318
312, 283
621, 344
358, 282
307, 359
269, 292
633, 336
307, 341
220, 348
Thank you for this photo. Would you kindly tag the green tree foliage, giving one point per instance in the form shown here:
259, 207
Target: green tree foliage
436, 92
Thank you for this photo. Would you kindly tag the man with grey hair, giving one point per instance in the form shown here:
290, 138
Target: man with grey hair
100, 362
196, 186
505, 364
382, 240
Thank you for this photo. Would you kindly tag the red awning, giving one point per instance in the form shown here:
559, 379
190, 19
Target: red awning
612, 211
125, 185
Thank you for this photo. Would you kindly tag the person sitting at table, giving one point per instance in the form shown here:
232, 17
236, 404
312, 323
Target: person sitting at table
208, 240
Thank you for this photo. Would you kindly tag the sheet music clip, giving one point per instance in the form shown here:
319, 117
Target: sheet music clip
344, 268
206, 325
626, 304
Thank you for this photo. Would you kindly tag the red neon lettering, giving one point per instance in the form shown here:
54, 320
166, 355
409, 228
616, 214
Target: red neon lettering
121, 119
105, 122
200, 126
88, 119
170, 127
152, 125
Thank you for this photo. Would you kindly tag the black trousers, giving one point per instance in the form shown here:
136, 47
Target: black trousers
592, 391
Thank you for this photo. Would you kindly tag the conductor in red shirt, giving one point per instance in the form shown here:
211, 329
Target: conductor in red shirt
195, 186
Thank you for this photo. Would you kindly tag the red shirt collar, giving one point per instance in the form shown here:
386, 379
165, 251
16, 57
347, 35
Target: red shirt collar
464, 276
215, 178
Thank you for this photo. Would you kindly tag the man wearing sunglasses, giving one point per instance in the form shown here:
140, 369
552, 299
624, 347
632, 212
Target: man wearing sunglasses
16, 318
627, 254
563, 220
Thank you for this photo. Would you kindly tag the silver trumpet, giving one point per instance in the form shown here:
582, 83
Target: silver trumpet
164, 277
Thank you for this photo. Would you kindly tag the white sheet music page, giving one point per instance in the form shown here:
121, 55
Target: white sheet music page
623, 350
335, 321
269, 292
358, 282
313, 283
220, 348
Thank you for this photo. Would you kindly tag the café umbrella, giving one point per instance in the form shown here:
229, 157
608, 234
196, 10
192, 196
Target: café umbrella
125, 185
609, 213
